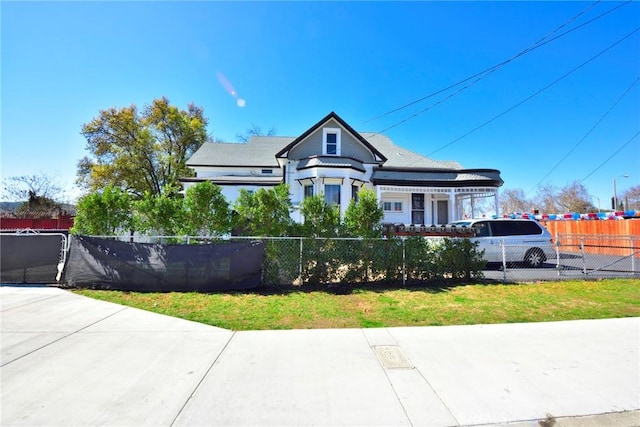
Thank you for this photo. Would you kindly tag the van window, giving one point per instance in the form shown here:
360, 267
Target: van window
504, 228
529, 227
514, 228
482, 229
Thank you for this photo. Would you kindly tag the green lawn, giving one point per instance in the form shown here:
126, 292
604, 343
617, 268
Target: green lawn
363, 308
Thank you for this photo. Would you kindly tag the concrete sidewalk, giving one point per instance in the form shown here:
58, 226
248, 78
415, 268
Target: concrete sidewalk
71, 360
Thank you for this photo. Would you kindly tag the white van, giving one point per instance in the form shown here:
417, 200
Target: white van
524, 240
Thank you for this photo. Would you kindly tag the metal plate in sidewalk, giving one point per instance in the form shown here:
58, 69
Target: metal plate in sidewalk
391, 357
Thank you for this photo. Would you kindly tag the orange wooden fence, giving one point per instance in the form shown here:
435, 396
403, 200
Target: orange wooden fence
598, 237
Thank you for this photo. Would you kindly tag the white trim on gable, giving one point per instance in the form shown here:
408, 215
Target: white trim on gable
326, 151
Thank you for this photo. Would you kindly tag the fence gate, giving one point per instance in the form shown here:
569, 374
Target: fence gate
31, 257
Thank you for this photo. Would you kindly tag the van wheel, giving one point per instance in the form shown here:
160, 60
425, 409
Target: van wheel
534, 258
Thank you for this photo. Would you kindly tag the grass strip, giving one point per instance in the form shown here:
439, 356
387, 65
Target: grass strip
364, 308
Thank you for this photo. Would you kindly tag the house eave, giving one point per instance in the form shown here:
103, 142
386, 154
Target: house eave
437, 183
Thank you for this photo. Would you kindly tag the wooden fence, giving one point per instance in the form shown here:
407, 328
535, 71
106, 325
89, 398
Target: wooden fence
613, 237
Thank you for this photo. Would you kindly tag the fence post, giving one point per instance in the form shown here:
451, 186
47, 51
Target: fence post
584, 261
404, 264
504, 261
300, 264
633, 255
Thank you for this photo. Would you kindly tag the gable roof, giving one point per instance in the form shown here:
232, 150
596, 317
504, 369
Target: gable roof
263, 151
331, 115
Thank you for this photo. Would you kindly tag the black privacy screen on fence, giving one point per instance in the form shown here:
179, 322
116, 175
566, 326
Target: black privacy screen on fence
149, 267
30, 258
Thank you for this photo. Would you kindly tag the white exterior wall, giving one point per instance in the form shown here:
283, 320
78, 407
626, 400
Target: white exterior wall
210, 171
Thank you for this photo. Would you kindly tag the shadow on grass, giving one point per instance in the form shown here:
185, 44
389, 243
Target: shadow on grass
432, 286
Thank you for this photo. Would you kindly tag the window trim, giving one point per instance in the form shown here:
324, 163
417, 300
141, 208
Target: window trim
393, 204
338, 133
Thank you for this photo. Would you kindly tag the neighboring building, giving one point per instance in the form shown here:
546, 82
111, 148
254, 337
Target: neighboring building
333, 159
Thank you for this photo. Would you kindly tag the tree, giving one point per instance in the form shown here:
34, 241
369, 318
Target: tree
254, 130
631, 198
574, 197
22, 188
39, 193
514, 200
362, 218
265, 212
104, 213
546, 199
159, 214
321, 218
141, 152
206, 209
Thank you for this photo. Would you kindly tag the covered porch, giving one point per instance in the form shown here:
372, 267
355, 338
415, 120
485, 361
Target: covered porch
435, 205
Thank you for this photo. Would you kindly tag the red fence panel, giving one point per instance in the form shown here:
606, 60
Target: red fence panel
63, 222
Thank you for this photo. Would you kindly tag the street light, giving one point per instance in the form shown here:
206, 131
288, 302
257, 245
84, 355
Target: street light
615, 192
596, 197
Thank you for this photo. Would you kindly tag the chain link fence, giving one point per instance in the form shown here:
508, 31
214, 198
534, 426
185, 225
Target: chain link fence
331, 262
302, 261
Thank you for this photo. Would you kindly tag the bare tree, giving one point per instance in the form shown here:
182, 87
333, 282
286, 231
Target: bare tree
631, 198
514, 200
25, 187
546, 199
254, 130
574, 197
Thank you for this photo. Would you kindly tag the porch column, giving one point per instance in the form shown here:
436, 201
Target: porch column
452, 206
473, 205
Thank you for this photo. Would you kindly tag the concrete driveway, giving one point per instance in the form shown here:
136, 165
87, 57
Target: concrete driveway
70, 360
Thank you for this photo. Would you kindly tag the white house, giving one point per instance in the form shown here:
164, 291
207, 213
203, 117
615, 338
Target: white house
332, 158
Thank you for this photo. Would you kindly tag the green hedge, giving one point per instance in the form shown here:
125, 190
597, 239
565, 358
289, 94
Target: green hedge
327, 262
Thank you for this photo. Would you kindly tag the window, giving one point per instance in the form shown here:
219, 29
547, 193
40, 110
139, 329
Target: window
392, 206
354, 192
331, 141
332, 193
417, 208
308, 191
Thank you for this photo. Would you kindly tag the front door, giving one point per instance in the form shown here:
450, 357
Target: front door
442, 211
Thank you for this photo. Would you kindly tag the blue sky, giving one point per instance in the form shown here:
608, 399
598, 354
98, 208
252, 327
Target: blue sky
294, 62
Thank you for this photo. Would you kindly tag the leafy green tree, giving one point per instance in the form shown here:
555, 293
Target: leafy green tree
362, 218
141, 152
159, 214
321, 218
207, 211
104, 213
265, 212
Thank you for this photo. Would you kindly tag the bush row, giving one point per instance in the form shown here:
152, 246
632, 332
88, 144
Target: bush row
326, 262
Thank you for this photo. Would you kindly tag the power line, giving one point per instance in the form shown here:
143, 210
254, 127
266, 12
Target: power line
537, 92
611, 156
484, 73
586, 134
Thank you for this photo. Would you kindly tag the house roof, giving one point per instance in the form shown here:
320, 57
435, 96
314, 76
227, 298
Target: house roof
401, 157
259, 151
263, 151
331, 162
331, 115
436, 177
